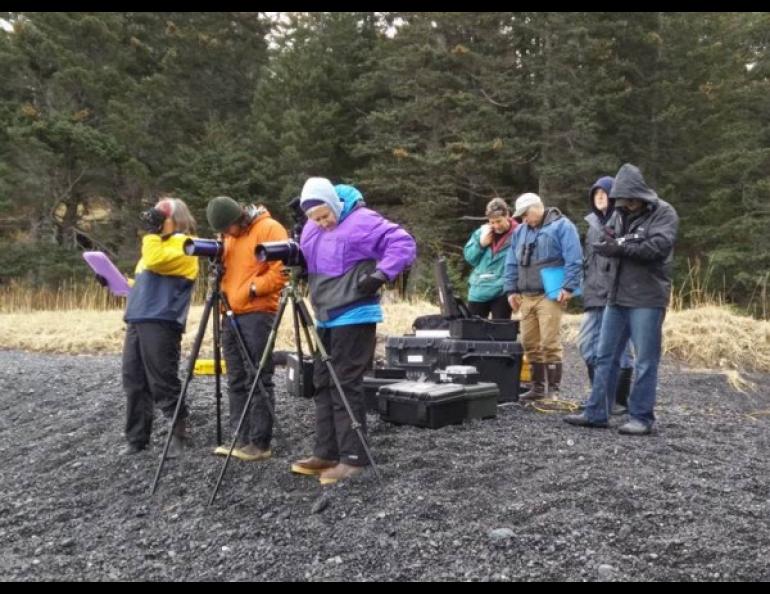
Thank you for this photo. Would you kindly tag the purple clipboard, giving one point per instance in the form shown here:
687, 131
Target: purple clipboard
101, 264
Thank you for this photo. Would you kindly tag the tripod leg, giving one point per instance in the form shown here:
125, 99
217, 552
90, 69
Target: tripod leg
268, 352
355, 425
217, 329
182, 395
298, 347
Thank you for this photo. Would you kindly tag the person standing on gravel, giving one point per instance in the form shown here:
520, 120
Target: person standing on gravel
156, 316
252, 288
641, 251
596, 281
546, 239
486, 251
351, 251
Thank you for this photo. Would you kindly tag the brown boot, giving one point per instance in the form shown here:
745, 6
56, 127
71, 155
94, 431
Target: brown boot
340, 472
553, 371
312, 466
537, 392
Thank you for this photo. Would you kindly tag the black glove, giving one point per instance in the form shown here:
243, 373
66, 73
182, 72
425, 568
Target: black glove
610, 248
372, 282
101, 280
152, 220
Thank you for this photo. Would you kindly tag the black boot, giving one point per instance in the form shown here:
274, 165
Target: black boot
622, 391
537, 392
553, 370
590, 368
132, 448
180, 436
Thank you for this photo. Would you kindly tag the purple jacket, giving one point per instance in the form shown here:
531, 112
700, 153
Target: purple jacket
362, 242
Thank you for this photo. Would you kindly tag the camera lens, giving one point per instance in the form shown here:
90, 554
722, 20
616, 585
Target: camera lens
204, 248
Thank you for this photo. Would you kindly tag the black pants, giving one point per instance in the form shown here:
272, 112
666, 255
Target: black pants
352, 351
500, 308
151, 355
258, 424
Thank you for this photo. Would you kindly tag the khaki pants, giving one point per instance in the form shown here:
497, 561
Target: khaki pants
541, 329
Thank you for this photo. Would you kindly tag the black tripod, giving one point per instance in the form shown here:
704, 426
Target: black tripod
301, 318
214, 300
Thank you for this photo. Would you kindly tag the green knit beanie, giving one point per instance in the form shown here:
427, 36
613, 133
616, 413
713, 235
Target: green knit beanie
222, 212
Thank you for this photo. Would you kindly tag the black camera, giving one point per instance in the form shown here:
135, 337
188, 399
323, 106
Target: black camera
152, 220
287, 252
299, 217
203, 248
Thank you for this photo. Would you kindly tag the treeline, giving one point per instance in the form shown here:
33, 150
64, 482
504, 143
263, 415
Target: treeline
429, 114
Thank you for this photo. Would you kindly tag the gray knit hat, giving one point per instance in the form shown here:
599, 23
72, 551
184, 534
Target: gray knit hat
222, 212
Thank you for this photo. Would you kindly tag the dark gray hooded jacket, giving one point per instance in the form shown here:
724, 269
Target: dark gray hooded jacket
641, 276
596, 268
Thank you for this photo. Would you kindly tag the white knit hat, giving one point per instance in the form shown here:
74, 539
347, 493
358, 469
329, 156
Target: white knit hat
319, 191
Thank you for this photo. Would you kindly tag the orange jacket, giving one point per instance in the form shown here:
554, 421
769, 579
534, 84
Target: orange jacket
242, 269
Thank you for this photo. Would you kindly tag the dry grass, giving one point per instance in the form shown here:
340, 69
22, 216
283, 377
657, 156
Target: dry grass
710, 337
86, 331
82, 318
717, 338
72, 294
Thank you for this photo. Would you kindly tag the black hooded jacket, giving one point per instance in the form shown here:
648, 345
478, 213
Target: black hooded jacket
641, 276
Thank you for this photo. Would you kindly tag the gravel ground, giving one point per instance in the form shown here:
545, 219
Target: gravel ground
519, 497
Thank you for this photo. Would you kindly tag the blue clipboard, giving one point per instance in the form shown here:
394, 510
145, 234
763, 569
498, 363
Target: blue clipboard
553, 282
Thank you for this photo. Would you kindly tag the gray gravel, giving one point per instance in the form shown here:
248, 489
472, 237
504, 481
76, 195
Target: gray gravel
523, 496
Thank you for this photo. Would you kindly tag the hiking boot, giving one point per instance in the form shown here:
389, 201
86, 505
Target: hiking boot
618, 410
223, 450
635, 427
554, 372
338, 473
180, 437
537, 392
132, 448
175, 448
251, 453
582, 420
312, 466
621, 393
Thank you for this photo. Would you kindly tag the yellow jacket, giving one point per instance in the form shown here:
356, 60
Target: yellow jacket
163, 285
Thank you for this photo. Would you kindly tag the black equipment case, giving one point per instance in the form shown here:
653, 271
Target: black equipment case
382, 376
294, 372
431, 405
483, 329
417, 354
496, 361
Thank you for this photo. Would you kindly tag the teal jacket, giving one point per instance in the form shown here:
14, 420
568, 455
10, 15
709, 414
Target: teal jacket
487, 279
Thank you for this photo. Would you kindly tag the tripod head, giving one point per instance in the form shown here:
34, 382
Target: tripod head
294, 275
